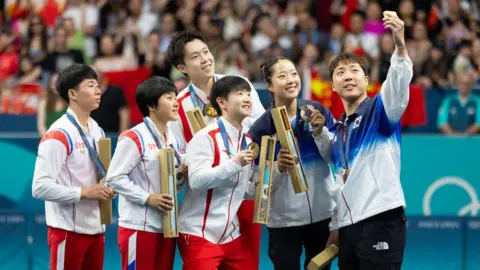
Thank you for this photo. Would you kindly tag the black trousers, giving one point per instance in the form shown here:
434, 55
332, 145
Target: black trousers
376, 243
285, 244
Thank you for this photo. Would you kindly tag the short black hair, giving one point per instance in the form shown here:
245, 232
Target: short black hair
223, 87
150, 90
71, 77
267, 68
176, 48
346, 58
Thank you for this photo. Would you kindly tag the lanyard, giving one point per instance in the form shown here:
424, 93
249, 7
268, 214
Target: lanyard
345, 145
224, 134
147, 124
93, 153
195, 99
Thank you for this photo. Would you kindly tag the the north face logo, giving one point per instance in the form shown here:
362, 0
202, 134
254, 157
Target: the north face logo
381, 246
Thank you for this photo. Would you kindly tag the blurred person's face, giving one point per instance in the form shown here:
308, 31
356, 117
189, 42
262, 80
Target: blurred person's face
154, 42
36, 25
187, 17
310, 51
68, 25
419, 31
466, 51
374, 12
406, 9
286, 81
356, 24
204, 22
386, 43
453, 5
464, 83
61, 38
135, 7
304, 20
199, 62
337, 31
264, 24
349, 81
26, 65
168, 23
107, 45
436, 54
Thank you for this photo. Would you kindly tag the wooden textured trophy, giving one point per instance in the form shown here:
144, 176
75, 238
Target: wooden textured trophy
168, 184
105, 155
288, 141
265, 172
196, 120
323, 258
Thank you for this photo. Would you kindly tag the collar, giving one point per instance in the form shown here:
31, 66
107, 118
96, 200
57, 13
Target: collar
200, 93
232, 132
361, 109
89, 121
155, 130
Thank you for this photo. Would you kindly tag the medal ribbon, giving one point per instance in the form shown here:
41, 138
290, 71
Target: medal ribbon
147, 124
93, 153
195, 99
224, 134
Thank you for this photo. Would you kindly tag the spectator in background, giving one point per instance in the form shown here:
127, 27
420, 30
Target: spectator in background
28, 72
360, 42
434, 72
36, 44
460, 112
109, 60
61, 56
406, 12
51, 107
9, 60
113, 114
374, 22
419, 46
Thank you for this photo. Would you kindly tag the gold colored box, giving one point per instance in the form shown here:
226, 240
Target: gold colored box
323, 258
196, 119
105, 155
265, 173
168, 185
288, 141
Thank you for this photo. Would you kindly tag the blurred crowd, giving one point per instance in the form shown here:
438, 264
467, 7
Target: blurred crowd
41, 37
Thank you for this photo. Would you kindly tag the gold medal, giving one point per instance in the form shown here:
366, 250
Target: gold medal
346, 173
254, 148
209, 111
306, 112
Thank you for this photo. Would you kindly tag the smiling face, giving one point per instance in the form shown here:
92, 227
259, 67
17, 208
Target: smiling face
199, 62
238, 104
285, 82
349, 81
167, 107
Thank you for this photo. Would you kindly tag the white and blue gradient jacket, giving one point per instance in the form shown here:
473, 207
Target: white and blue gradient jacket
286, 207
372, 150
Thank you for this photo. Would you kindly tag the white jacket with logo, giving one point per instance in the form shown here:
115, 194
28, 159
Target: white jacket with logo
373, 134
135, 174
63, 167
216, 185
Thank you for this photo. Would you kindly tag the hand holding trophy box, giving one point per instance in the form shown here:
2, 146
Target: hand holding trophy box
105, 154
265, 173
288, 141
168, 184
323, 258
196, 120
